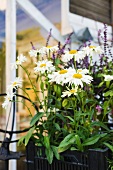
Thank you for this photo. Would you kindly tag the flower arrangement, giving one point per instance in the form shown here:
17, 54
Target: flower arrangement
76, 98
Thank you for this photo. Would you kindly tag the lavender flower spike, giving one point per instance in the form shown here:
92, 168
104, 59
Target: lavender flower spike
33, 46
48, 38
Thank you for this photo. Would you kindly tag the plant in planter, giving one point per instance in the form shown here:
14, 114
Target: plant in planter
73, 108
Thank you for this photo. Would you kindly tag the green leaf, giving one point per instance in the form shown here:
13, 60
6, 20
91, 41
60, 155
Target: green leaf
103, 135
25, 139
64, 148
37, 78
55, 150
42, 86
58, 89
70, 118
105, 106
78, 143
57, 126
108, 93
101, 124
73, 149
28, 88
21, 140
109, 146
55, 87
49, 155
65, 102
91, 140
107, 84
88, 101
36, 118
69, 139
57, 61
101, 84
61, 117
58, 103
46, 142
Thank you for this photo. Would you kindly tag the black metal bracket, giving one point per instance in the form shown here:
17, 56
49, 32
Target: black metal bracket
5, 153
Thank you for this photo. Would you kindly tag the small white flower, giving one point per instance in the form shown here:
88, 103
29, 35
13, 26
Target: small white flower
92, 50
108, 77
54, 110
66, 57
33, 53
8, 99
60, 76
49, 49
69, 92
15, 84
83, 71
78, 79
43, 66
77, 55
20, 59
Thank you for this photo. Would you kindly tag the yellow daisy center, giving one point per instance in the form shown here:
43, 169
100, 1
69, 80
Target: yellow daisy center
14, 83
79, 70
62, 71
77, 76
17, 61
72, 51
42, 65
49, 46
73, 91
92, 46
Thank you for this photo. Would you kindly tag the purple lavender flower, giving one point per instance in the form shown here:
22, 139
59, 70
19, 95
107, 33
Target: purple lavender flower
48, 38
99, 36
33, 46
53, 56
105, 39
98, 108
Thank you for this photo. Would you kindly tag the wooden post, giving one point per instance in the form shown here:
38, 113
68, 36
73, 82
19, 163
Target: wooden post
65, 24
10, 58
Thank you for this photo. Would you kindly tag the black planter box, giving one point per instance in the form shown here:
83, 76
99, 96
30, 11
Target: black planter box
73, 160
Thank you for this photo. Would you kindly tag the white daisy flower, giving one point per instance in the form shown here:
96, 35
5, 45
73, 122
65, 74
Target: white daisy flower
43, 66
77, 55
15, 84
8, 99
83, 71
78, 79
54, 110
20, 59
66, 57
108, 77
33, 53
50, 49
92, 50
60, 76
69, 92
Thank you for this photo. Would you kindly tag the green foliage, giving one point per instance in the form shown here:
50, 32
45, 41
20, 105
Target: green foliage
36, 118
25, 139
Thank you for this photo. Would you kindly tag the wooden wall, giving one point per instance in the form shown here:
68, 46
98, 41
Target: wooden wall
98, 10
